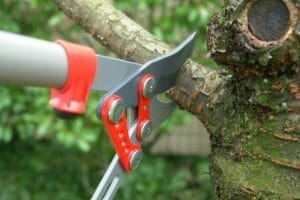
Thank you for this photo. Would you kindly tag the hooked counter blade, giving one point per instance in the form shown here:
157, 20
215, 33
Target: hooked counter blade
111, 71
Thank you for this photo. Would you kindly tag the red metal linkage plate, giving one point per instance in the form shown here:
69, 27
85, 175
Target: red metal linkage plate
119, 134
144, 115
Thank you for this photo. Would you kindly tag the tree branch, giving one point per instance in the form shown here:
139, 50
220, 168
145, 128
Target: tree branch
197, 87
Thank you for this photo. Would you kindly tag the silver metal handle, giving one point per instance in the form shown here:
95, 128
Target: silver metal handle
27, 61
112, 179
110, 182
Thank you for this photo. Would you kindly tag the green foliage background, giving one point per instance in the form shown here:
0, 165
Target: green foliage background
43, 157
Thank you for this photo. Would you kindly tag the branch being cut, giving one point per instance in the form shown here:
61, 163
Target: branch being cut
197, 87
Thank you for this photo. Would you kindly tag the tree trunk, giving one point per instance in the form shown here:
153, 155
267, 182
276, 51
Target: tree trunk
256, 148
252, 111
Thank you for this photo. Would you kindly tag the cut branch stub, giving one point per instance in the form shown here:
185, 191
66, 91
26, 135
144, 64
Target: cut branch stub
256, 33
268, 20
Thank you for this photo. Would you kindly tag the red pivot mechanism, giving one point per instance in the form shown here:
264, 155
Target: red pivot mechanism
82, 66
146, 90
115, 120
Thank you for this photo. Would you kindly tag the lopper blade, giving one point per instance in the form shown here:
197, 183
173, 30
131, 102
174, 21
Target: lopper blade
111, 71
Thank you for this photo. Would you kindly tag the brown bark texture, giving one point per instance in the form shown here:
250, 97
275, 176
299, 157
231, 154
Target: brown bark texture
251, 109
256, 138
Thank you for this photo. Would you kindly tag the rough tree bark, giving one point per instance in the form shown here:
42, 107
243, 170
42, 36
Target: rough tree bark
252, 111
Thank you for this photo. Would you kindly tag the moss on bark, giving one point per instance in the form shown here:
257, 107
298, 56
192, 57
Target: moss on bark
256, 136
256, 147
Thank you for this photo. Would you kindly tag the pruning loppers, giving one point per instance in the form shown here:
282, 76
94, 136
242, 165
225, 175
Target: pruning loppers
131, 107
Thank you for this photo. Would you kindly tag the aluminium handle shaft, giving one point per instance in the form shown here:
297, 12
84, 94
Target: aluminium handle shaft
26, 61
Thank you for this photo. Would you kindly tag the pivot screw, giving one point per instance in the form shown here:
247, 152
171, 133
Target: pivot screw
149, 87
116, 110
135, 159
146, 130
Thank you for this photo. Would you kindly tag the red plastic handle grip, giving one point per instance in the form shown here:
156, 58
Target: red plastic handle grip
82, 66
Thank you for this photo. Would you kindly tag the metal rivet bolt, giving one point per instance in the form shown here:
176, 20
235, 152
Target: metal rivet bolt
116, 110
135, 159
149, 87
146, 130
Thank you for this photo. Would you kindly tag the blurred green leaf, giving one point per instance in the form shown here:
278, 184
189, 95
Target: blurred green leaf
6, 134
158, 32
55, 19
83, 145
192, 16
